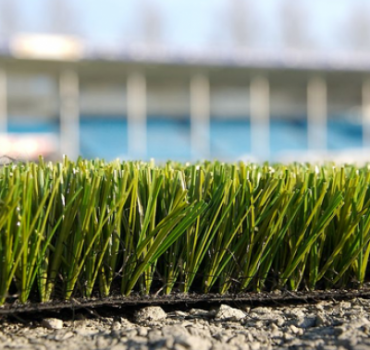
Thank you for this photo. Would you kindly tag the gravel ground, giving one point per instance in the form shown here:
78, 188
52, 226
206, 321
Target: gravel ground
325, 325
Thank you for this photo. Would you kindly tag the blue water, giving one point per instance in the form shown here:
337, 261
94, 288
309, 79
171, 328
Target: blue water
170, 139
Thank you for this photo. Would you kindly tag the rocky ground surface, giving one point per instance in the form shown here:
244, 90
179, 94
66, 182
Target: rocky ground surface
324, 325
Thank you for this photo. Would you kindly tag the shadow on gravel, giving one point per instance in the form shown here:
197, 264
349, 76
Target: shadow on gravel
116, 304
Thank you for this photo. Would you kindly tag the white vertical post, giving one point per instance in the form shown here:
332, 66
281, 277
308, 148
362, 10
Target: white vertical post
3, 102
260, 117
136, 114
317, 113
366, 113
69, 114
200, 116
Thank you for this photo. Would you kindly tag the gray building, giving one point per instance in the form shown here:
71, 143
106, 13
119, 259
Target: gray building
186, 106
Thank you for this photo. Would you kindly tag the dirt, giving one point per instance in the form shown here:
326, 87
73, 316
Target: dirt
323, 325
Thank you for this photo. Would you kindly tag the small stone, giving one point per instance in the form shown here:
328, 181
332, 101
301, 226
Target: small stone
102, 342
155, 335
274, 326
116, 326
142, 332
202, 313
294, 329
125, 323
129, 333
150, 313
288, 336
174, 331
339, 330
276, 334
362, 347
295, 312
225, 312
86, 332
259, 324
319, 306
306, 322
119, 347
255, 345
178, 314
219, 336
246, 308
320, 321
192, 342
238, 339
345, 305
62, 335
359, 322
52, 323
261, 310
330, 347
366, 330
186, 323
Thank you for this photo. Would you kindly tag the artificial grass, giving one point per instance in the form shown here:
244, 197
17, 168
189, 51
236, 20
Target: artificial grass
87, 227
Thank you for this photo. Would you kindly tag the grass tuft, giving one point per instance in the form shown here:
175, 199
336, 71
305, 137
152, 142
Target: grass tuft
90, 228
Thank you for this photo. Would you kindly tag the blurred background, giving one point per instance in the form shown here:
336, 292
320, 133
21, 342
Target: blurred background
276, 80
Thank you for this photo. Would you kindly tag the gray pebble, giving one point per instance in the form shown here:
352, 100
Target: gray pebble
327, 325
52, 323
306, 322
150, 313
226, 312
202, 313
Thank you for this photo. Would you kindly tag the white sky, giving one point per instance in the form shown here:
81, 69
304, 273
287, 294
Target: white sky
193, 23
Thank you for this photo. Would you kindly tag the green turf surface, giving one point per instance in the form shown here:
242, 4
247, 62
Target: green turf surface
89, 227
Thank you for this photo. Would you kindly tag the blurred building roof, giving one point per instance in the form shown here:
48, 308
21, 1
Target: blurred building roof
70, 48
